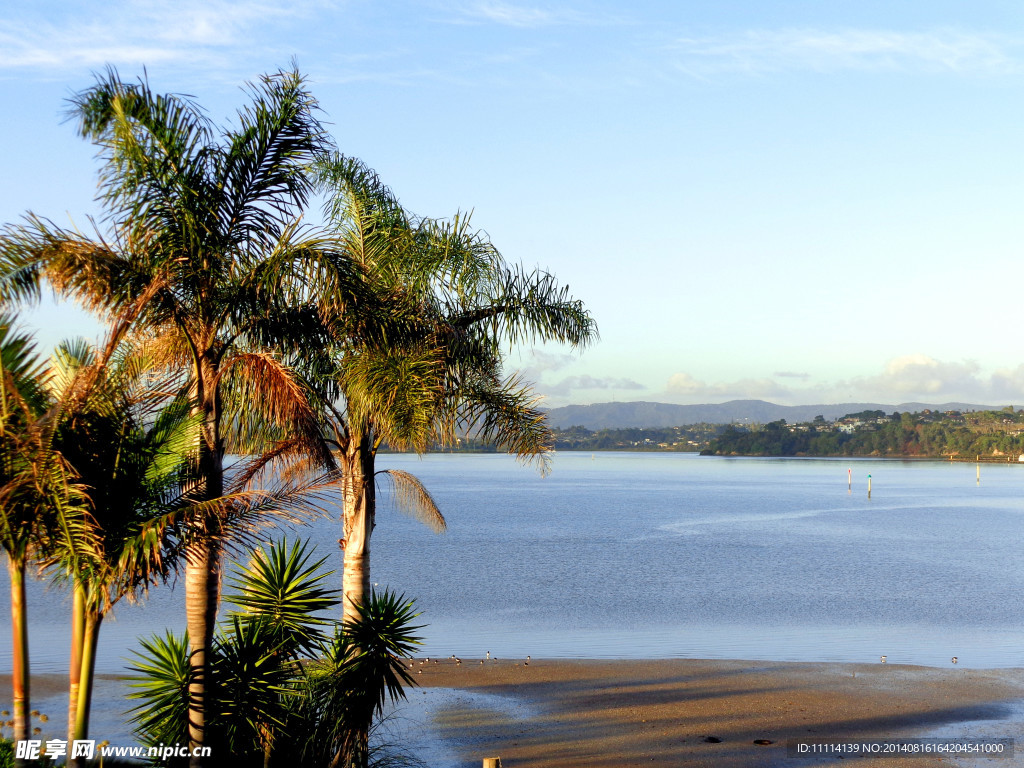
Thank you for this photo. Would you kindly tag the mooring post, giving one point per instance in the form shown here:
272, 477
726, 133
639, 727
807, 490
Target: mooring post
492, 762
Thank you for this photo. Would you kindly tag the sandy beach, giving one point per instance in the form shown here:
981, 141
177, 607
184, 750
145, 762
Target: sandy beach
681, 712
712, 713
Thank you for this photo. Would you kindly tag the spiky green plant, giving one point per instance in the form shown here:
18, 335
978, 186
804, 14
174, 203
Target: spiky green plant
345, 690
271, 703
282, 589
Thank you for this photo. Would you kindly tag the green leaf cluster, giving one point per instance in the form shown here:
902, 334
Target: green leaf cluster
288, 686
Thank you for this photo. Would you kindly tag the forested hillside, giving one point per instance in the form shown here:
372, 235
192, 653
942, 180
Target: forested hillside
873, 433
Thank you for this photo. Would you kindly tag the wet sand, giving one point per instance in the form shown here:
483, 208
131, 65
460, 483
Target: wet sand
600, 714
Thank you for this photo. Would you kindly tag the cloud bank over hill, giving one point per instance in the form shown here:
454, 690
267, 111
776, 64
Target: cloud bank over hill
647, 414
914, 377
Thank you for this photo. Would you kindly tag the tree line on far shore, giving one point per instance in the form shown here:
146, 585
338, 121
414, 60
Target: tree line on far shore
986, 434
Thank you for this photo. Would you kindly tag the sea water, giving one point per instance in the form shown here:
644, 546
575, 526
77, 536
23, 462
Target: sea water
660, 555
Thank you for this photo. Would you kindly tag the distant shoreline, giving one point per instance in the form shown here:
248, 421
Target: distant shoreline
888, 457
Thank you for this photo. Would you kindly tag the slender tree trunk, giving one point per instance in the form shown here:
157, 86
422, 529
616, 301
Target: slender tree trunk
91, 638
75, 667
19, 652
358, 508
202, 563
202, 594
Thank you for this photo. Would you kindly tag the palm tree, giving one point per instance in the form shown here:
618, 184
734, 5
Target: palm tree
444, 372
207, 228
129, 434
40, 504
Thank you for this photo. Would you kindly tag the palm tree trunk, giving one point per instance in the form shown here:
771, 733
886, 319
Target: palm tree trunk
359, 505
202, 594
202, 564
75, 668
19, 651
91, 638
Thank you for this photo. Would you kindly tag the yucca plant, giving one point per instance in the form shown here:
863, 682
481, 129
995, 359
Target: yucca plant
281, 590
160, 680
288, 687
346, 689
255, 662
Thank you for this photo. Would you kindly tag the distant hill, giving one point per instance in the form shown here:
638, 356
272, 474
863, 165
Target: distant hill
643, 414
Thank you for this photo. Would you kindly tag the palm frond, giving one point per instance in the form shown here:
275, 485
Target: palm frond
413, 499
505, 412
528, 307
270, 399
395, 390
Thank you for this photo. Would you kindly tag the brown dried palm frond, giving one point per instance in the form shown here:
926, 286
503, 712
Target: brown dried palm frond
413, 499
270, 400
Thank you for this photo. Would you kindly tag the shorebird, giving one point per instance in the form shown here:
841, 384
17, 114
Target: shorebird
954, 659
883, 659
488, 654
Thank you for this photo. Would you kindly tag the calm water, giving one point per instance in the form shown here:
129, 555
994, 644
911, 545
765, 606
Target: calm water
668, 555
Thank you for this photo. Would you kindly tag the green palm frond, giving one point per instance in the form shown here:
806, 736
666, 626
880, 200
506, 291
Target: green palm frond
234, 519
394, 390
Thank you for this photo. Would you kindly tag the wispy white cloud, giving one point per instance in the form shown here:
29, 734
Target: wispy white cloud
571, 384
526, 16
190, 32
921, 375
763, 51
541, 361
541, 365
509, 14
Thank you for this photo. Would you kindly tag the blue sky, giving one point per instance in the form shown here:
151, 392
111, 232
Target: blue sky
797, 201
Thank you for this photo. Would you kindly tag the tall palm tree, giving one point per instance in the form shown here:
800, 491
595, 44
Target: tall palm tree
444, 372
129, 433
40, 503
206, 224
